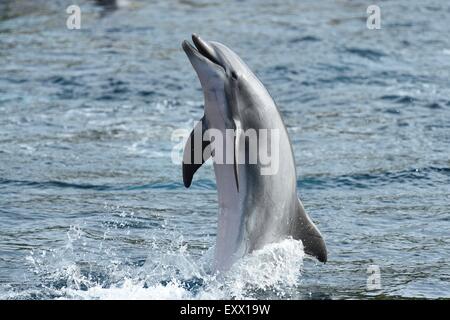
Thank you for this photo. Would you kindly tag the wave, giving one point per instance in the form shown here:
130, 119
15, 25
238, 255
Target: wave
354, 181
370, 180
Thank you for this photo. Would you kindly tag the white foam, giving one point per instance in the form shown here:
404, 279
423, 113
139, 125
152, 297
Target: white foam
275, 267
130, 290
168, 273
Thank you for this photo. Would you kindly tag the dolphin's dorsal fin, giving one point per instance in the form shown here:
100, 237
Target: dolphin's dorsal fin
304, 229
193, 158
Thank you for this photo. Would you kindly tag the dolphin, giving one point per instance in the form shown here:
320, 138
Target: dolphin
255, 209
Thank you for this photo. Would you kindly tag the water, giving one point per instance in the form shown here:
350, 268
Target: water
92, 207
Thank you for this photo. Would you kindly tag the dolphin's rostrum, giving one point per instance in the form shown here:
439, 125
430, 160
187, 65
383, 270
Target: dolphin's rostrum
254, 208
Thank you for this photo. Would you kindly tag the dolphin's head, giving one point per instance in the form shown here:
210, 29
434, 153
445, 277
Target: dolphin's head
220, 71
213, 61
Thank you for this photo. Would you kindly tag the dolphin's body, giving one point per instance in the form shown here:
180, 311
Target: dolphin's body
254, 209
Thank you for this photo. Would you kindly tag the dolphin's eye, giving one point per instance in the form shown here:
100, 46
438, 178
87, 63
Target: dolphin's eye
234, 75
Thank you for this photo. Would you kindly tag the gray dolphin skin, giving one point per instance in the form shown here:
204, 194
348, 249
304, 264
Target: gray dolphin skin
254, 209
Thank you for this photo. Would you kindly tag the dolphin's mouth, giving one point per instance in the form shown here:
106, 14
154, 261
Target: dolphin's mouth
202, 50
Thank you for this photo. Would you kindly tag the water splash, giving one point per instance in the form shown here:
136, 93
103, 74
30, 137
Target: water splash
172, 274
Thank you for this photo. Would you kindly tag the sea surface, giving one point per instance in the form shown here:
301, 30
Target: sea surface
93, 207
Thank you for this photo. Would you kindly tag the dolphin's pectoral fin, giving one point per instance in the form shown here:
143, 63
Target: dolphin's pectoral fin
194, 152
306, 230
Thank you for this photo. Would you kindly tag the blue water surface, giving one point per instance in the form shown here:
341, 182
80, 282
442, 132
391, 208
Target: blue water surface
92, 206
